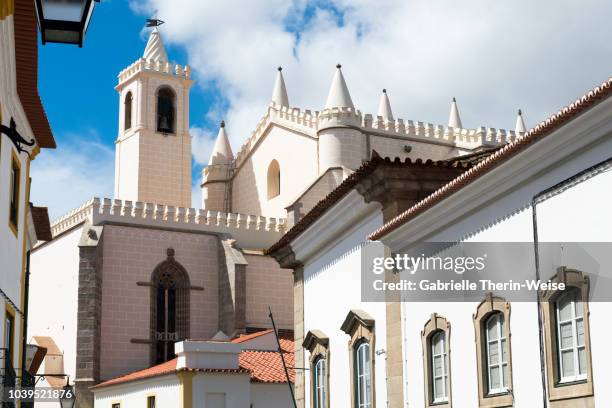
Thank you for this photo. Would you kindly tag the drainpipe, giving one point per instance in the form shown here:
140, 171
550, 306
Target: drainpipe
25, 313
539, 308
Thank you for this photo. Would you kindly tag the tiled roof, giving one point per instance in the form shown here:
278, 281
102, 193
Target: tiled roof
263, 366
267, 366
542, 130
349, 183
245, 337
168, 367
26, 61
42, 226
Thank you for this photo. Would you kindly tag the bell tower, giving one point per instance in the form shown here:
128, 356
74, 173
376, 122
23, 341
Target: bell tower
153, 147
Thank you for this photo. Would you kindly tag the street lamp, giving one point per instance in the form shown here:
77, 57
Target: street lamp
64, 21
67, 398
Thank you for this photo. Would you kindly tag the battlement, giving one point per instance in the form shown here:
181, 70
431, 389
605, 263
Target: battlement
339, 117
460, 137
250, 231
162, 67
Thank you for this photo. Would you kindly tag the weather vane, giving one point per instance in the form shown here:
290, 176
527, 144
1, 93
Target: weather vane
154, 22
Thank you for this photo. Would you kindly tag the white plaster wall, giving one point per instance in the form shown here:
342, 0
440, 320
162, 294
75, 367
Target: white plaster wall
297, 157
54, 283
236, 387
270, 395
331, 289
166, 390
580, 213
523, 325
394, 147
127, 152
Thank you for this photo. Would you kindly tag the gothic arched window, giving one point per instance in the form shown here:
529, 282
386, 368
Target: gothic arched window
127, 111
273, 179
166, 110
169, 308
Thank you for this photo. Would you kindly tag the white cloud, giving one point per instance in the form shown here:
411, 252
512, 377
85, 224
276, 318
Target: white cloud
81, 168
202, 143
493, 56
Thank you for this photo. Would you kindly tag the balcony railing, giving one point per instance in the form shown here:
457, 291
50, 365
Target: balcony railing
7, 376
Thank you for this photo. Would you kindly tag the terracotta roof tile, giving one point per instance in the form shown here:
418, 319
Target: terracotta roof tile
263, 366
267, 366
245, 337
42, 226
542, 130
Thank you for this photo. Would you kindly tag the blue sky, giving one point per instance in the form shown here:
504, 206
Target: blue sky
495, 57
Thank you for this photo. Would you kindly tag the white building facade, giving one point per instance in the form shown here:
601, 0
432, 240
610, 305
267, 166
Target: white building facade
553, 186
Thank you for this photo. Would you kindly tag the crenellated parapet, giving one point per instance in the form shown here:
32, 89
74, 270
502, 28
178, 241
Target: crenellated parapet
339, 117
162, 67
250, 231
312, 122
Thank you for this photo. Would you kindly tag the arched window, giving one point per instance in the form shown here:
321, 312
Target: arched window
127, 111
166, 110
169, 308
363, 378
570, 336
497, 354
359, 325
273, 179
439, 367
567, 338
435, 339
319, 383
494, 354
317, 343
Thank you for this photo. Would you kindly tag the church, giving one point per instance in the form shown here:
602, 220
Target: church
143, 270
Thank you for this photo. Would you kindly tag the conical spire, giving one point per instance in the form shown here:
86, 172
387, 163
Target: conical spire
454, 120
222, 152
339, 96
384, 107
520, 123
155, 50
279, 95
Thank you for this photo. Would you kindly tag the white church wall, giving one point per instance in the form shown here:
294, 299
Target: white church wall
53, 301
166, 390
126, 167
268, 285
334, 277
270, 395
130, 256
394, 147
297, 158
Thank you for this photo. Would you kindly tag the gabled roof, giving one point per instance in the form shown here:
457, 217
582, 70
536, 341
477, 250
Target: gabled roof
543, 129
267, 366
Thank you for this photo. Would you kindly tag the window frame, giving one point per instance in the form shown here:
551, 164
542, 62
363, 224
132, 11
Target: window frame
488, 308
434, 326
174, 100
317, 343
360, 326
14, 189
151, 397
273, 178
574, 393
9, 334
439, 334
361, 379
127, 116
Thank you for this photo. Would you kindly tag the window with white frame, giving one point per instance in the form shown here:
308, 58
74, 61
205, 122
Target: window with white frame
363, 380
570, 336
497, 354
439, 367
319, 384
